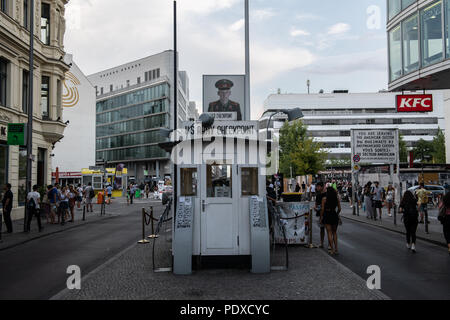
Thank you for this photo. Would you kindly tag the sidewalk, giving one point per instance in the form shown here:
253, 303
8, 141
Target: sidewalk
435, 234
19, 237
312, 275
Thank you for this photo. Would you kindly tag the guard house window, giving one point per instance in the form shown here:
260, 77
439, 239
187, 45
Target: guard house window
188, 182
411, 44
431, 30
249, 181
25, 90
394, 7
395, 54
3, 81
45, 103
45, 23
218, 181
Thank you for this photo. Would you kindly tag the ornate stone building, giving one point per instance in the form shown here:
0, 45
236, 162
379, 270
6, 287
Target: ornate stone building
49, 73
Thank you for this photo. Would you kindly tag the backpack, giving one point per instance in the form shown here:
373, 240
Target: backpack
91, 193
31, 204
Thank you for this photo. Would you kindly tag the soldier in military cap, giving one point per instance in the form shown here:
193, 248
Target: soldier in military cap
225, 104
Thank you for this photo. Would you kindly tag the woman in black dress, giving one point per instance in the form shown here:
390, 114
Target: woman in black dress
408, 207
329, 216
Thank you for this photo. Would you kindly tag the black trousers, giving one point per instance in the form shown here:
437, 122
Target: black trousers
31, 213
411, 229
8, 222
446, 230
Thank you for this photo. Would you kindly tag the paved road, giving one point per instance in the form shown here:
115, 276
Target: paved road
424, 275
37, 270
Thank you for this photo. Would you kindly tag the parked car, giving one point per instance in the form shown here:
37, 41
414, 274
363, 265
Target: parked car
436, 191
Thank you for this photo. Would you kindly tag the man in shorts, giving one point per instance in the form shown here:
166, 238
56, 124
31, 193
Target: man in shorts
317, 207
422, 195
377, 193
88, 196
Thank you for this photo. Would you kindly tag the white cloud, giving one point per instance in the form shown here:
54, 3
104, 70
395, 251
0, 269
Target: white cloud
339, 28
299, 32
262, 14
238, 25
307, 16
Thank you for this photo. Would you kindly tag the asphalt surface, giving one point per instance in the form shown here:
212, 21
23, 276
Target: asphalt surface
37, 269
404, 275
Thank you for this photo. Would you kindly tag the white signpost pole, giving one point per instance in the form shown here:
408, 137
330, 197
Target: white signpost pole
353, 171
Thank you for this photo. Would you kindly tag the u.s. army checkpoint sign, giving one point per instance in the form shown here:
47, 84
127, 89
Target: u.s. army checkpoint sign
375, 145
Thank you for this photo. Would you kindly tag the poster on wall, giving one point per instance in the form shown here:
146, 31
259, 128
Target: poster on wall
225, 95
293, 217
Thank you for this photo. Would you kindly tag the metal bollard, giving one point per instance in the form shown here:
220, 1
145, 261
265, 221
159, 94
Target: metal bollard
153, 235
310, 226
143, 241
426, 220
395, 214
84, 212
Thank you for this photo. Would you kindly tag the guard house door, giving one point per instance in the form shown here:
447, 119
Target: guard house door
219, 211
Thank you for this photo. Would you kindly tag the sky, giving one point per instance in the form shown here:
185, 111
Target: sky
334, 44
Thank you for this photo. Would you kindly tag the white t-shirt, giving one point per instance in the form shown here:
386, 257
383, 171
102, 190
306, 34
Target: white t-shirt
36, 196
80, 191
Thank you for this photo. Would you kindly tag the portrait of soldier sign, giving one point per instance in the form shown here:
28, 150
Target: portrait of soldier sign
224, 94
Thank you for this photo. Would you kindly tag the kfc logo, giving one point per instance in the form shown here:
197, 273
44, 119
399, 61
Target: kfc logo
415, 103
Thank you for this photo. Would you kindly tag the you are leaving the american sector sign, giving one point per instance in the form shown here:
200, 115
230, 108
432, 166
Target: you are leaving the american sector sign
375, 145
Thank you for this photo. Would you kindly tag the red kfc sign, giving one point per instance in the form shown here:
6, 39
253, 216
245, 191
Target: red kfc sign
415, 103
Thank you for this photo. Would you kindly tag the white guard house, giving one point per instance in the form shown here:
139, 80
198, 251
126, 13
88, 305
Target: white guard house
221, 209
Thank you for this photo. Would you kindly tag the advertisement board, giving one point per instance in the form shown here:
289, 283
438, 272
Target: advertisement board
293, 217
225, 94
415, 103
375, 146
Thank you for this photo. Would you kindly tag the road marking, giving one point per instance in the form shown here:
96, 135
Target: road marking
345, 243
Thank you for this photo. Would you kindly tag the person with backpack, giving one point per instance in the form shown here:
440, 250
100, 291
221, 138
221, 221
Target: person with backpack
89, 194
408, 207
422, 197
444, 217
53, 198
33, 207
368, 200
64, 204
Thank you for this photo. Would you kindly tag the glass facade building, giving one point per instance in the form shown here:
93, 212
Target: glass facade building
418, 40
127, 125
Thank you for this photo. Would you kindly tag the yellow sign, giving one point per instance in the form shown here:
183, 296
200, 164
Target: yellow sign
108, 170
356, 167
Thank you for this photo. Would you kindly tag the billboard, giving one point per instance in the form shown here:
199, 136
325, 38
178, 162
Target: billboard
225, 94
375, 146
415, 103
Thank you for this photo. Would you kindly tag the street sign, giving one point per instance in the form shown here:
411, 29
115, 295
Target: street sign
375, 145
16, 134
356, 158
356, 167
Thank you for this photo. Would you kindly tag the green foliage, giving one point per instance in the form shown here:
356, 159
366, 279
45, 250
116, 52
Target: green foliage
299, 152
340, 162
403, 149
423, 151
438, 144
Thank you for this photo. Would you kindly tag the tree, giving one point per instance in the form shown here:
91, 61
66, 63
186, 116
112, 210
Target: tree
423, 151
299, 151
340, 162
403, 150
439, 148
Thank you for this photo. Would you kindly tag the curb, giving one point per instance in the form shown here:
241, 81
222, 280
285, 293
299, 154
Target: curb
64, 292
436, 242
54, 232
349, 274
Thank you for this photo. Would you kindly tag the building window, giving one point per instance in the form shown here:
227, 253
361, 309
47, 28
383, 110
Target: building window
139, 80
447, 29
395, 54
394, 7
407, 3
3, 81
26, 15
411, 44
111, 88
128, 83
25, 90
370, 121
158, 73
3, 6
431, 30
45, 96
154, 74
42, 155
45, 23
101, 90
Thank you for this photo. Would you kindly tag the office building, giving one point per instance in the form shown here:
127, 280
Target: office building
134, 101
